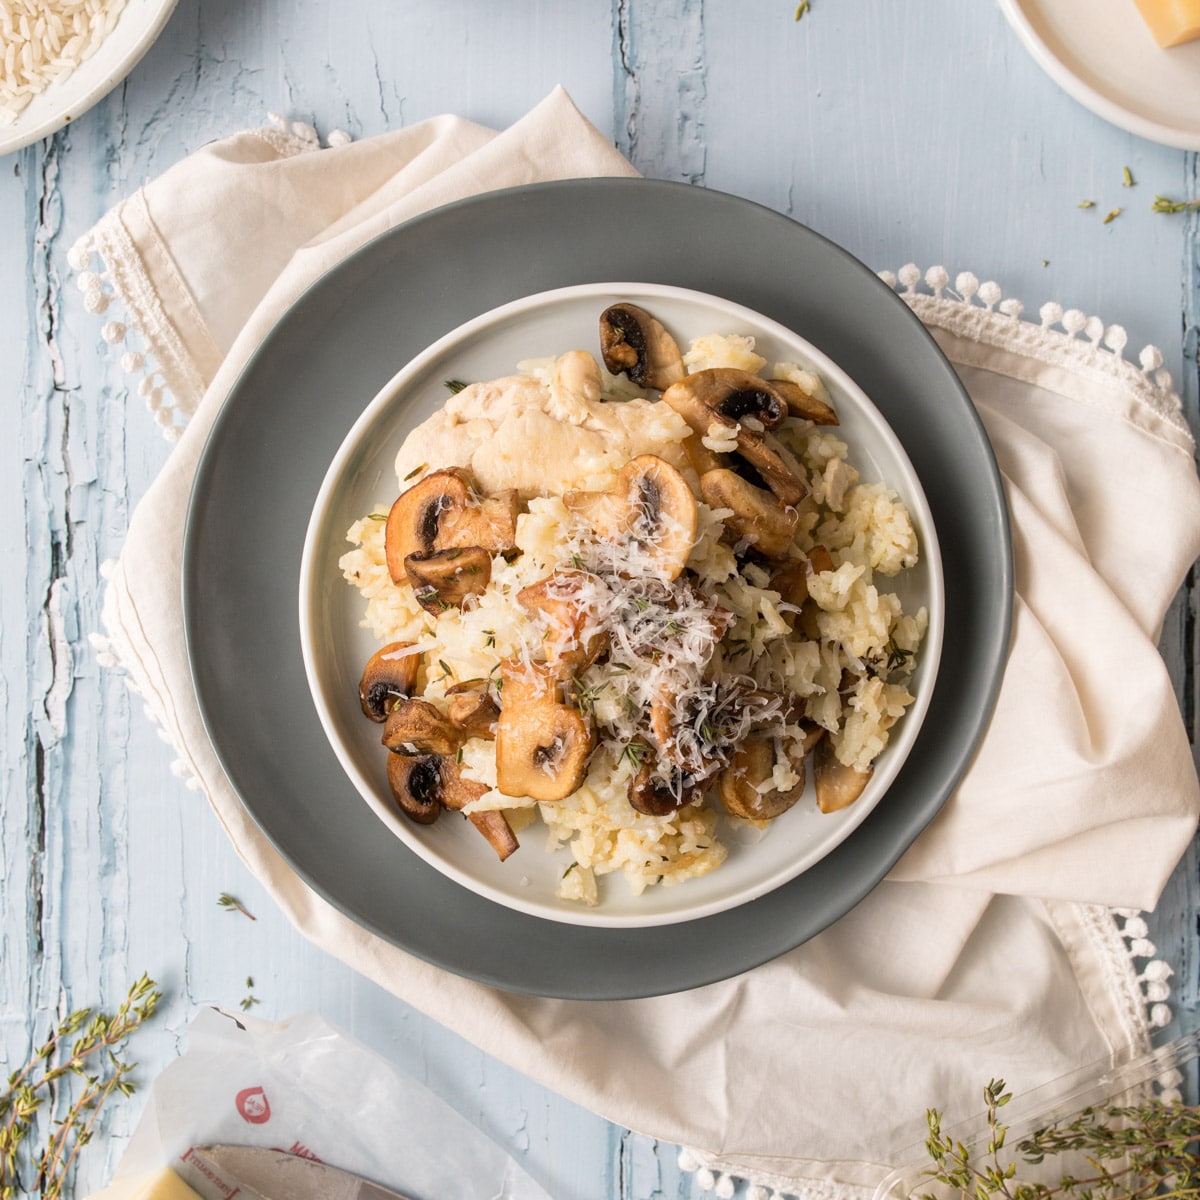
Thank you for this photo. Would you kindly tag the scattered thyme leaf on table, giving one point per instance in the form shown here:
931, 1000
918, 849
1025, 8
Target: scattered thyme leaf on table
1164, 205
233, 904
77, 1069
249, 1000
1145, 1151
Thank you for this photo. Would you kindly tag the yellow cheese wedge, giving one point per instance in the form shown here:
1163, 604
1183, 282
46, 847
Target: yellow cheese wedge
165, 1185
1171, 21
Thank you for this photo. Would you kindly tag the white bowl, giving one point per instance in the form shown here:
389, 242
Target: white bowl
335, 646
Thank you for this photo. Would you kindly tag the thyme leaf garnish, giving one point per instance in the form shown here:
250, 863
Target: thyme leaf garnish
233, 904
1164, 205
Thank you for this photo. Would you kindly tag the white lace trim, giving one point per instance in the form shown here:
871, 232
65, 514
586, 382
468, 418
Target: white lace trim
979, 312
723, 1179
1151, 975
168, 380
115, 651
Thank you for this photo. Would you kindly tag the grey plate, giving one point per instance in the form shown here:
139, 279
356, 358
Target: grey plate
340, 343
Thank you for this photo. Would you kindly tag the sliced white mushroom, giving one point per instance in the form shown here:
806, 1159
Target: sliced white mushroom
542, 744
758, 518
742, 782
726, 405
838, 785
441, 512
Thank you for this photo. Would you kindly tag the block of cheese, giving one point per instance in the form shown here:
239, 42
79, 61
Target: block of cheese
1171, 21
164, 1185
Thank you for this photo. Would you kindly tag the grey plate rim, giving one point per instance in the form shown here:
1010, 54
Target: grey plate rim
375, 881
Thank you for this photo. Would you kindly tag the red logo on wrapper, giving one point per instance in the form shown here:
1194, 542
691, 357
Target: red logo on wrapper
252, 1105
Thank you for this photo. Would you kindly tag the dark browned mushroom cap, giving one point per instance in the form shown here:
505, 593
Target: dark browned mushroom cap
416, 784
655, 796
700, 399
753, 763
422, 785
837, 785
634, 343
757, 518
415, 519
441, 512
417, 727
389, 675
445, 578
731, 393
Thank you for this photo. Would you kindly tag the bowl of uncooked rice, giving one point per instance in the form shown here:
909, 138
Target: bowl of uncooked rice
59, 57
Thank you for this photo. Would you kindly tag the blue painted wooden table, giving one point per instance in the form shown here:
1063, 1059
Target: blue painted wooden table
916, 131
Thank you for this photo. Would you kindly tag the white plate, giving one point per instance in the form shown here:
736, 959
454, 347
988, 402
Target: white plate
335, 646
68, 98
1103, 54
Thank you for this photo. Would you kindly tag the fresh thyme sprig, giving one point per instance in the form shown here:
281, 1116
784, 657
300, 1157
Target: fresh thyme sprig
233, 904
49, 1075
1133, 1152
636, 751
1164, 205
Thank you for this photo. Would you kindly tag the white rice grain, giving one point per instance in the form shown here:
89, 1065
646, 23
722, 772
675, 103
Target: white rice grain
43, 41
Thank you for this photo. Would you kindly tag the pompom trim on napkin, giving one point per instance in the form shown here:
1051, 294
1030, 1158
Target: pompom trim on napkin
169, 379
978, 312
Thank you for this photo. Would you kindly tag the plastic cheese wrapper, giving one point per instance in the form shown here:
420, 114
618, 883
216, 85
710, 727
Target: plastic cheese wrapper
306, 1087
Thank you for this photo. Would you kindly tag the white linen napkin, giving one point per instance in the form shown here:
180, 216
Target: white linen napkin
993, 948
